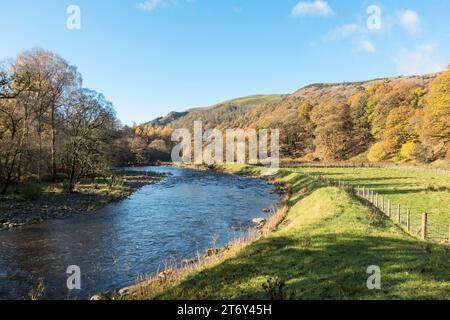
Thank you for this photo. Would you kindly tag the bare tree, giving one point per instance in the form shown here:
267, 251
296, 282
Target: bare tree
45, 117
52, 77
89, 122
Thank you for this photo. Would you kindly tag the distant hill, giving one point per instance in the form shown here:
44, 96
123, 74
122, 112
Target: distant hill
215, 115
403, 118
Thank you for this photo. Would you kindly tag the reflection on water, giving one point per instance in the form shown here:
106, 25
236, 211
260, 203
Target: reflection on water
170, 220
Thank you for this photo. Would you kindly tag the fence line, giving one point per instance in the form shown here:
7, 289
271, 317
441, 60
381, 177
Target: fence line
299, 164
417, 225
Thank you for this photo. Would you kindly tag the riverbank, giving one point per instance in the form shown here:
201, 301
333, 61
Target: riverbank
320, 249
45, 201
148, 286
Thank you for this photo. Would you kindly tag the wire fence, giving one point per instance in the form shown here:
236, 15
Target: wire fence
417, 224
337, 165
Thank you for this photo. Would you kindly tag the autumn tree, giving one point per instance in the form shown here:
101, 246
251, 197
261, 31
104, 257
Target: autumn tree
51, 78
49, 125
436, 122
399, 129
332, 133
360, 135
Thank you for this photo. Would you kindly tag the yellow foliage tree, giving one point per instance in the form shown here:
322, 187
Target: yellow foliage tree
436, 124
376, 153
407, 150
399, 129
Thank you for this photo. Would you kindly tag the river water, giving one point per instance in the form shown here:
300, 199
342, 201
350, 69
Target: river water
169, 221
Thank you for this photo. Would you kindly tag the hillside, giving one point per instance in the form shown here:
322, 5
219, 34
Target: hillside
395, 119
218, 114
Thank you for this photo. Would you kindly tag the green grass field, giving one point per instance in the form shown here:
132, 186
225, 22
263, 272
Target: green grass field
322, 251
416, 190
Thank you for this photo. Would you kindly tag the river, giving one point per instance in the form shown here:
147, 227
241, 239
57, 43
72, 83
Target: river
172, 220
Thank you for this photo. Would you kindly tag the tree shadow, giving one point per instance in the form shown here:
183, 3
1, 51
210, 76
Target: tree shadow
335, 269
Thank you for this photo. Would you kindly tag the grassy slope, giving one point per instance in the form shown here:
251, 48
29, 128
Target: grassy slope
417, 190
322, 251
245, 101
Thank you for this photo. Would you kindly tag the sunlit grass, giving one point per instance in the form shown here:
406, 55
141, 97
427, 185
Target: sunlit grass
321, 251
419, 191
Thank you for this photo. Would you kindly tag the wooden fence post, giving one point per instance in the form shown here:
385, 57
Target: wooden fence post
408, 220
371, 196
382, 203
363, 192
376, 200
423, 229
389, 208
399, 218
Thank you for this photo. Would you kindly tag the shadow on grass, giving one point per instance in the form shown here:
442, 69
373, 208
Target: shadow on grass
328, 266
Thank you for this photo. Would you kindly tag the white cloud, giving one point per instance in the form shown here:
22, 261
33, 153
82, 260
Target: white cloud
367, 46
410, 21
424, 59
150, 5
315, 8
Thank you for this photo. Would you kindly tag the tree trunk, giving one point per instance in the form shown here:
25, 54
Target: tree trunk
39, 173
53, 137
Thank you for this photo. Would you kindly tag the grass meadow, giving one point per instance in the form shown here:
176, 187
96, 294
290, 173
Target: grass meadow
324, 246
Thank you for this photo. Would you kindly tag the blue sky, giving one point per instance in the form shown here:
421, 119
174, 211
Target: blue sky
150, 57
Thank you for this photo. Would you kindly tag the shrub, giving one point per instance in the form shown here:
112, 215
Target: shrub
376, 153
423, 153
407, 151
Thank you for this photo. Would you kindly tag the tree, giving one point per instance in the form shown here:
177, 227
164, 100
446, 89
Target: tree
361, 136
332, 133
88, 123
14, 126
408, 150
138, 147
376, 153
11, 142
436, 123
386, 96
399, 129
45, 117
51, 78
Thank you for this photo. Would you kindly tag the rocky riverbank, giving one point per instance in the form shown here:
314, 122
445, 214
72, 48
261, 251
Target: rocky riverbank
49, 201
